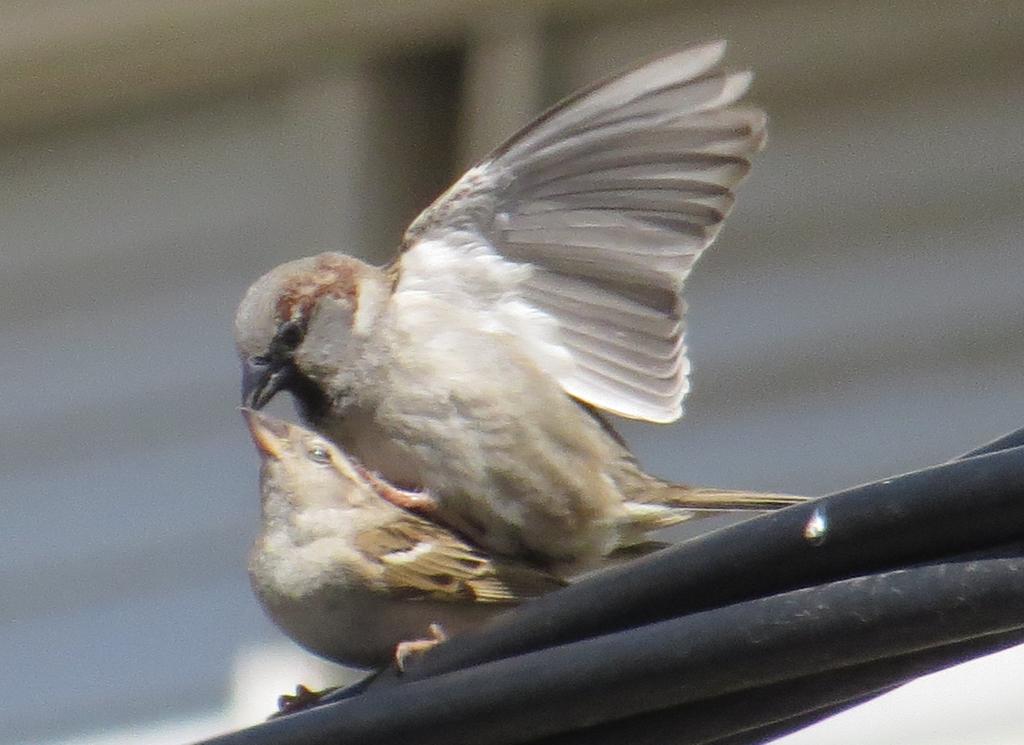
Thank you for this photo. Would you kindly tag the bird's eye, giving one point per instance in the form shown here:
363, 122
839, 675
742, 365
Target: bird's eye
319, 454
289, 335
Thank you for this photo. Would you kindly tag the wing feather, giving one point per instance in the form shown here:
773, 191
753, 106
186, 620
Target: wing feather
609, 199
421, 560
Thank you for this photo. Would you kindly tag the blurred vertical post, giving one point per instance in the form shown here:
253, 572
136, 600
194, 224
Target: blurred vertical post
503, 81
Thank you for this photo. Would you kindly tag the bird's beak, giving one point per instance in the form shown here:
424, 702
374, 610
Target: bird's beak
261, 379
268, 434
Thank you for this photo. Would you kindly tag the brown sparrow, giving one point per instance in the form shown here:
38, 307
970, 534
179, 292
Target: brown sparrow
540, 288
353, 578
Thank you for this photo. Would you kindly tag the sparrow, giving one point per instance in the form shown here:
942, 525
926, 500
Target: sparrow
542, 290
353, 578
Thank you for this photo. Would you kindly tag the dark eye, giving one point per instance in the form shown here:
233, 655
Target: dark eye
319, 454
289, 335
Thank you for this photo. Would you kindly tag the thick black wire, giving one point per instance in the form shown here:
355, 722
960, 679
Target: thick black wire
698, 658
748, 715
745, 578
1005, 442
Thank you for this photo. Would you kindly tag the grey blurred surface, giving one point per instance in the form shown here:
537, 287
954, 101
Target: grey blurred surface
859, 316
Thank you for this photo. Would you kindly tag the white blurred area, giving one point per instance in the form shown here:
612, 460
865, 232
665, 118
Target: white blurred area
260, 674
976, 703
859, 316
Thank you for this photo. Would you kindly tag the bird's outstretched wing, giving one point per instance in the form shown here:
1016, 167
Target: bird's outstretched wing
581, 229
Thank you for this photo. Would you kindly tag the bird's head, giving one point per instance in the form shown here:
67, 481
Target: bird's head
301, 327
302, 467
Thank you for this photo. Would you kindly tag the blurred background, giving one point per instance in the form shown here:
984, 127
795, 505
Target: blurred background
859, 316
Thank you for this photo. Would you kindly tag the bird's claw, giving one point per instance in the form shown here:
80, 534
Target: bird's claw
303, 698
414, 501
405, 650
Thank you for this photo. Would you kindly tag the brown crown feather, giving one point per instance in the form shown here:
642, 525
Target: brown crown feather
331, 276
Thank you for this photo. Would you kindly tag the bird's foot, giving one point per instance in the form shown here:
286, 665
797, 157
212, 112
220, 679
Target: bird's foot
301, 700
404, 650
414, 501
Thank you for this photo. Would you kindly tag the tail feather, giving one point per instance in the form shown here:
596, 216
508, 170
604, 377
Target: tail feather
659, 504
705, 499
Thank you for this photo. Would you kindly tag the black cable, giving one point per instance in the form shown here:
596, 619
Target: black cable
745, 716
735, 636
696, 658
1007, 441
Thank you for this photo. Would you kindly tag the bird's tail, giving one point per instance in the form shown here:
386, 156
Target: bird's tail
703, 498
660, 504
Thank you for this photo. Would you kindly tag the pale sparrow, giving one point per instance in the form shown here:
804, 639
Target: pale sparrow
543, 286
353, 578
